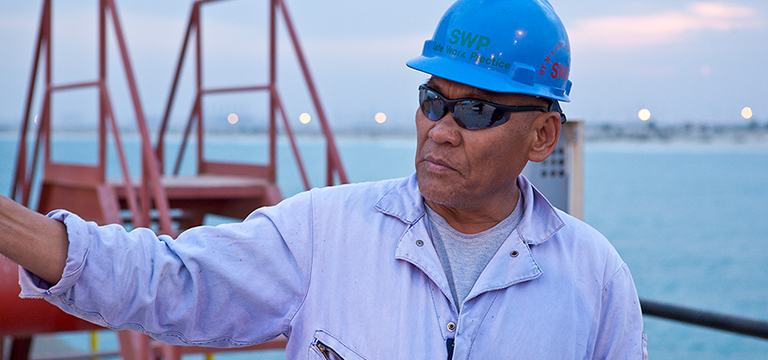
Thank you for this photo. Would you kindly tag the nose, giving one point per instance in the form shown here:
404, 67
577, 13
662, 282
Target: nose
445, 131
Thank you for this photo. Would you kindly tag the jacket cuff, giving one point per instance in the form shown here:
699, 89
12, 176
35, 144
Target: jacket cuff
32, 286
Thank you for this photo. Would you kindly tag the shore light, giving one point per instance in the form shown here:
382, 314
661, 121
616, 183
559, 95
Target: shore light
305, 118
644, 114
232, 118
746, 112
380, 117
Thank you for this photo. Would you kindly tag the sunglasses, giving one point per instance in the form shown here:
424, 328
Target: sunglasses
472, 114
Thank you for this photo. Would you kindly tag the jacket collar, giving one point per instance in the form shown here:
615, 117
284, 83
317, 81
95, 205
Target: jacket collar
540, 219
539, 223
403, 201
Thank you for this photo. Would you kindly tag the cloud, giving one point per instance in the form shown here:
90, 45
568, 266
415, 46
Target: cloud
662, 28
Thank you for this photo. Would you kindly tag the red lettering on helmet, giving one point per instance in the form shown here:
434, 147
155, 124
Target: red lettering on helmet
559, 71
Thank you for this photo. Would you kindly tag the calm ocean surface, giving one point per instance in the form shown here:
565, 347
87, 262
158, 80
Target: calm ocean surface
689, 220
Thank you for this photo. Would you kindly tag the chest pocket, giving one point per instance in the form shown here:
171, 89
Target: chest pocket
326, 347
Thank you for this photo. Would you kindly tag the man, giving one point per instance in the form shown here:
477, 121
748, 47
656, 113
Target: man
464, 260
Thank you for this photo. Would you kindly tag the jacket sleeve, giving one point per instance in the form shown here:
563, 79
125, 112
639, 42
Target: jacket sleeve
620, 330
230, 285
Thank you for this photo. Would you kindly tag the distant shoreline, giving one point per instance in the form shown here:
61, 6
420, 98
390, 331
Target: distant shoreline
751, 133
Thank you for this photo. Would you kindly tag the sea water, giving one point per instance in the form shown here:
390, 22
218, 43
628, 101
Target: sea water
689, 219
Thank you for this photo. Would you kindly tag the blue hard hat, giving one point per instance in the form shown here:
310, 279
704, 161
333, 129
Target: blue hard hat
508, 46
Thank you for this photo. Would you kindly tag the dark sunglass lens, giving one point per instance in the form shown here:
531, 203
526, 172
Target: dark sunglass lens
431, 105
474, 114
479, 115
499, 117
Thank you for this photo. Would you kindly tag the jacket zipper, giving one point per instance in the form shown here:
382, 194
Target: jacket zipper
325, 350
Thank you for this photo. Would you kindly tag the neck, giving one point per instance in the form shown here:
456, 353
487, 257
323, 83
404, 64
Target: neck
479, 217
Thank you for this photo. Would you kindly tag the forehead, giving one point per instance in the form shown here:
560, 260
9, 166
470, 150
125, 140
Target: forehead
454, 90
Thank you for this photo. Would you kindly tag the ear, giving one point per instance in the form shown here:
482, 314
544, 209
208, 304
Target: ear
546, 132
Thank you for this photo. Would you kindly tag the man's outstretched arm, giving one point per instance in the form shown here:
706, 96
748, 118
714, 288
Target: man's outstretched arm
30, 239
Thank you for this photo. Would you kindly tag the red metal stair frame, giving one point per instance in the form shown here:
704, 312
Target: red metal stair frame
81, 188
223, 188
88, 180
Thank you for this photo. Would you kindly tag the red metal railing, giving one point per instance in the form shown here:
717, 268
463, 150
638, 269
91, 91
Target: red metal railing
151, 190
334, 168
41, 317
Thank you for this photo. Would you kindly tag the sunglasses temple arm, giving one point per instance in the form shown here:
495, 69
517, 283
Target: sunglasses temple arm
556, 107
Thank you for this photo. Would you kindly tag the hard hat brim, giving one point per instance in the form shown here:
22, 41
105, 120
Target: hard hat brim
479, 77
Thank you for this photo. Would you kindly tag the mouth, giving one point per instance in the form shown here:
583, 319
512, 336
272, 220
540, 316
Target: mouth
436, 164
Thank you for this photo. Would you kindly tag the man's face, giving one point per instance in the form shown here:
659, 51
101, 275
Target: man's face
469, 169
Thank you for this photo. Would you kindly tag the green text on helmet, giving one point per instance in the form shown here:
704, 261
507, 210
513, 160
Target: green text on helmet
512, 46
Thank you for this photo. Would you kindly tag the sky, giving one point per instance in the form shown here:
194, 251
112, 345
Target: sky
684, 61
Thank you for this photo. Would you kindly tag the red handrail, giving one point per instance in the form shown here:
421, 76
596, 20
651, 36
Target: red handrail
334, 161
152, 190
195, 118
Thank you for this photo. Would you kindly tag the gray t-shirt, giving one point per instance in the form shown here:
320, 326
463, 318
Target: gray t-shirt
464, 256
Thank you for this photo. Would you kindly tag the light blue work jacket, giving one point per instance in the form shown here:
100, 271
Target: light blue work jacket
351, 271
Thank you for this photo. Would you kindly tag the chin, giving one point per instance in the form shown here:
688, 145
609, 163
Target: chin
441, 194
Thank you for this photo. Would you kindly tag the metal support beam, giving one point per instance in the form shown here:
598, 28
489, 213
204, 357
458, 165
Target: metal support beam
708, 319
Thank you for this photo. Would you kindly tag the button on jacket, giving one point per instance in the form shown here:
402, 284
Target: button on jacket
350, 271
